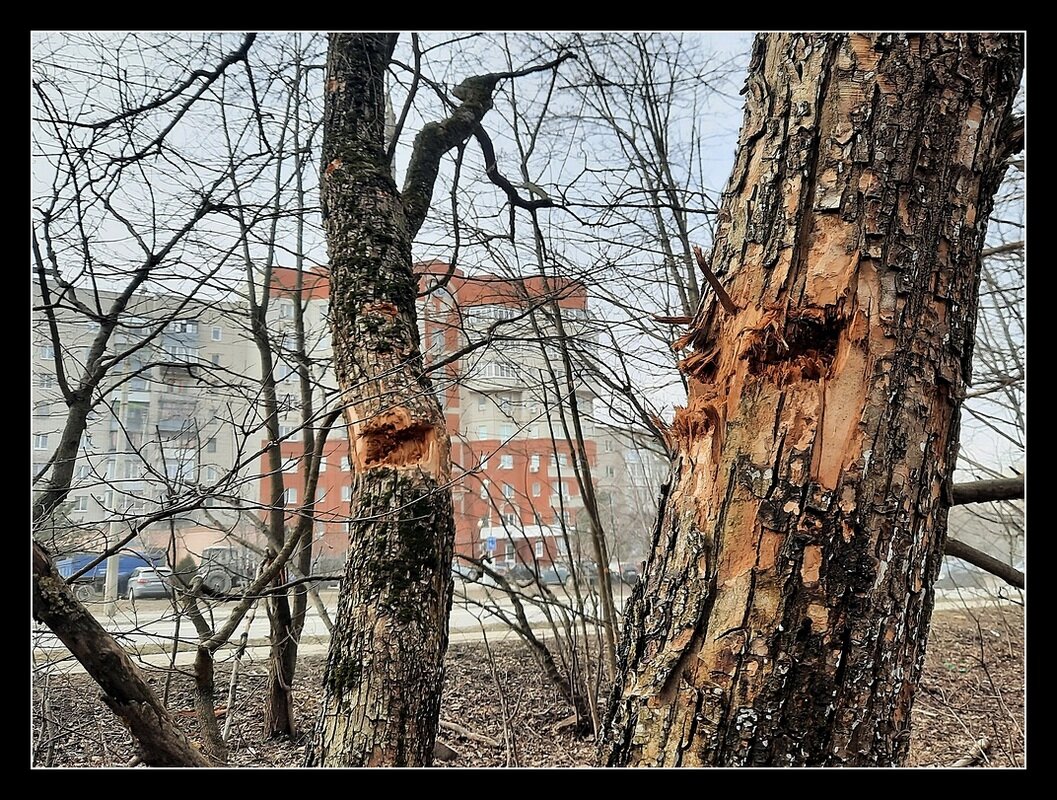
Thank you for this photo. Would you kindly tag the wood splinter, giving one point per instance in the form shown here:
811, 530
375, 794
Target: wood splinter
713, 281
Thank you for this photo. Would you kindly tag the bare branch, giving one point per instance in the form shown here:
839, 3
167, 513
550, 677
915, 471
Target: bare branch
1011, 575
988, 491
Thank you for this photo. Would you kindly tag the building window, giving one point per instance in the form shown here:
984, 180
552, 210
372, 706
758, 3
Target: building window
506, 462
211, 473
322, 465
484, 490
47, 351
346, 465
484, 462
631, 456
610, 471
183, 326
482, 431
346, 493
494, 370
536, 489
83, 470
286, 309
482, 402
290, 465
539, 548
609, 445
506, 432
291, 495
283, 371
508, 491
534, 462
211, 445
40, 441
80, 502
215, 358
45, 380
562, 488
217, 334
558, 460
510, 518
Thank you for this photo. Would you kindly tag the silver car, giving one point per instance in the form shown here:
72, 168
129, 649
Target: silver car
149, 582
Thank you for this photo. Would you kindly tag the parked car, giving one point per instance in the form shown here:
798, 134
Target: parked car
465, 570
520, 575
587, 572
225, 568
147, 582
93, 583
630, 575
552, 575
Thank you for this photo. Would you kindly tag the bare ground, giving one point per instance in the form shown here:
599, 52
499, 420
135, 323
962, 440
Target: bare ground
973, 689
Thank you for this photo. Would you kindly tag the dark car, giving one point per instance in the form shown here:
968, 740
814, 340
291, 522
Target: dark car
630, 575
147, 582
466, 571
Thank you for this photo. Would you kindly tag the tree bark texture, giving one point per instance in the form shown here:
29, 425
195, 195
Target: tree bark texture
125, 691
784, 612
384, 672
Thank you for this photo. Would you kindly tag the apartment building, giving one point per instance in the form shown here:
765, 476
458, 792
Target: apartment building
630, 470
183, 414
492, 346
169, 415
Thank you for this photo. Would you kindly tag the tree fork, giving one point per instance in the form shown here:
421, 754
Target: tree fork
786, 602
385, 667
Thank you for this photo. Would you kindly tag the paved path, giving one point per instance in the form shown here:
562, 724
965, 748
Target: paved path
147, 628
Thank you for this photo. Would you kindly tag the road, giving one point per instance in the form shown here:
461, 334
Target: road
147, 628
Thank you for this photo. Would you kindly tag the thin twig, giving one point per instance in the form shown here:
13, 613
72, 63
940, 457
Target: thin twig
978, 752
466, 733
509, 742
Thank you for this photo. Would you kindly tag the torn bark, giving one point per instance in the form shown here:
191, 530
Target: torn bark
784, 611
385, 667
384, 670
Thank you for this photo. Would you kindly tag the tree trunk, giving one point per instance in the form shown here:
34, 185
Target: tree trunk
785, 608
282, 663
205, 699
126, 693
383, 677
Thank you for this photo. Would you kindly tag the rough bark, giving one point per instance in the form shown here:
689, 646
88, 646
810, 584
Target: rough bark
786, 603
205, 700
125, 691
385, 667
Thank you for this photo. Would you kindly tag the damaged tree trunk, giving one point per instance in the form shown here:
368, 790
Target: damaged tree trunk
785, 608
383, 677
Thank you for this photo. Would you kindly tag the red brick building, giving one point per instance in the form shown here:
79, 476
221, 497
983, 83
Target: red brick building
513, 485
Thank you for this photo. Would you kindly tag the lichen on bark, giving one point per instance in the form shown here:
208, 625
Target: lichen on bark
785, 606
